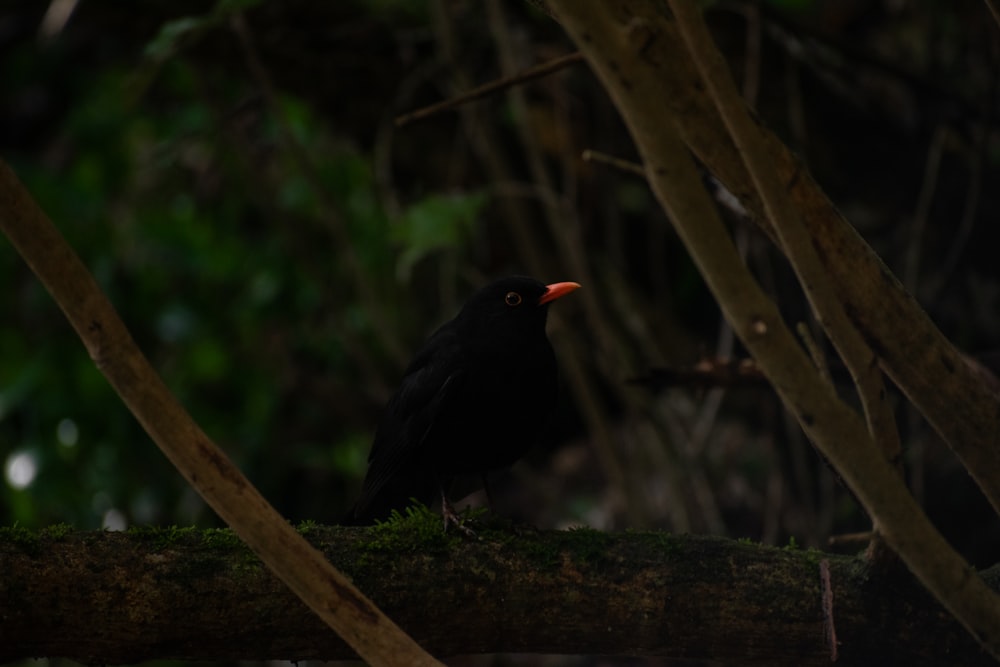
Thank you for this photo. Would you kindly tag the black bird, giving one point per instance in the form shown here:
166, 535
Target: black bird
471, 401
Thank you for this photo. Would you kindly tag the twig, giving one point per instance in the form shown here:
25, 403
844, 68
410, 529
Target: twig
829, 629
848, 539
993, 10
493, 86
487, 147
563, 223
970, 209
932, 167
616, 162
708, 373
302, 567
752, 57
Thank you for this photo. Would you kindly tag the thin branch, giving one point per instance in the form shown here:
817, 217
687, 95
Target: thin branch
488, 89
488, 147
304, 569
992, 6
829, 629
561, 218
708, 373
616, 162
970, 210
852, 540
932, 169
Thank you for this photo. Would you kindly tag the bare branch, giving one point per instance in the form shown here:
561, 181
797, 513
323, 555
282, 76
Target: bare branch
303, 569
626, 51
488, 89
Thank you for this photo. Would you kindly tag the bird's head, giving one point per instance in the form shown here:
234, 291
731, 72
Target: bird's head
516, 304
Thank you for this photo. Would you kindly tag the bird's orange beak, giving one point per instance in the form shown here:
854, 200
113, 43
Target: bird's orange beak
556, 290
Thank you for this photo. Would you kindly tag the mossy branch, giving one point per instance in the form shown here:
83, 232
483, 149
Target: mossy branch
114, 598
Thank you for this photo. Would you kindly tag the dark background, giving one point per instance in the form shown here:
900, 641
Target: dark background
232, 177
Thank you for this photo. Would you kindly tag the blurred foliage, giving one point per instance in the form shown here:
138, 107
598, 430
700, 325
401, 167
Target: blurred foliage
232, 176
215, 246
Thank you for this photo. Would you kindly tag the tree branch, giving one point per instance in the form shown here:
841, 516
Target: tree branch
331, 596
963, 409
787, 223
621, 51
113, 598
857, 356
487, 89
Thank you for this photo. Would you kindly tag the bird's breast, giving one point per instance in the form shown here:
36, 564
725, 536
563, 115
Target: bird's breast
498, 411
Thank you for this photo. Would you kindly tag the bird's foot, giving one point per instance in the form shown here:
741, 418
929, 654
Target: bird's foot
451, 517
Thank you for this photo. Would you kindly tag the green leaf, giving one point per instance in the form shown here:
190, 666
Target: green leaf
435, 223
166, 42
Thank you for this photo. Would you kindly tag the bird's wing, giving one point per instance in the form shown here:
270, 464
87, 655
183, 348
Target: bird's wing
431, 375
430, 382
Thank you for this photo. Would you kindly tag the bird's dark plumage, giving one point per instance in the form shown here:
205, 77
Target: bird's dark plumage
471, 401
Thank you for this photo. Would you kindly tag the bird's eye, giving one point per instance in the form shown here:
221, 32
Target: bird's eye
512, 299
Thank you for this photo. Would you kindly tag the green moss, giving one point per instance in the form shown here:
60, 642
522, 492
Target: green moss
585, 547
59, 531
31, 541
161, 537
660, 542
814, 556
213, 539
222, 538
26, 540
588, 546
417, 529
542, 554
307, 526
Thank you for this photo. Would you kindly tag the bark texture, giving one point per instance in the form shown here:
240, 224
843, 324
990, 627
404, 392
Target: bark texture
114, 598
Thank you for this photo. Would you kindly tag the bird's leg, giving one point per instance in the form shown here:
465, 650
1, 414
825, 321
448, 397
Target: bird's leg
448, 512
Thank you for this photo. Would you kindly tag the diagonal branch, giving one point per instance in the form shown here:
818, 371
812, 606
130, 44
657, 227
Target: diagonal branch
619, 50
858, 357
794, 238
932, 373
300, 566
488, 89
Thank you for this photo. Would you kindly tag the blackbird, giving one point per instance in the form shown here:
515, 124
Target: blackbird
471, 401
